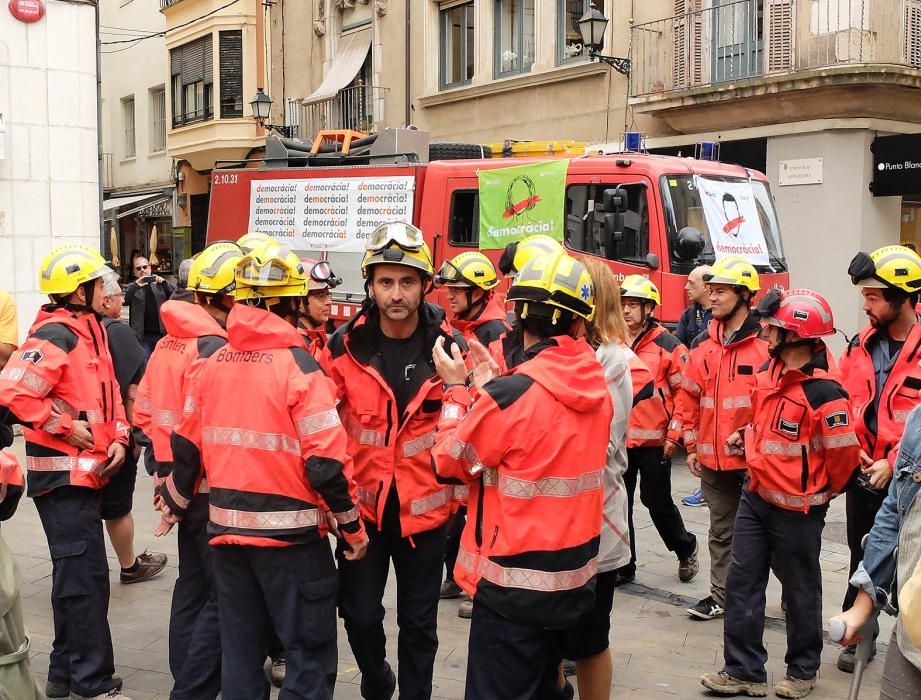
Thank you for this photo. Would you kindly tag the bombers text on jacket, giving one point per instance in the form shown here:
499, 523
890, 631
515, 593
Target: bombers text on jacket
260, 419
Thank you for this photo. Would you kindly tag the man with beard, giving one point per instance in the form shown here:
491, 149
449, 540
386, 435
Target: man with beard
880, 373
389, 399
718, 381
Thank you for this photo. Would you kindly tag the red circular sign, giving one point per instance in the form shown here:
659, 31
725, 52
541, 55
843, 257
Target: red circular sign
27, 10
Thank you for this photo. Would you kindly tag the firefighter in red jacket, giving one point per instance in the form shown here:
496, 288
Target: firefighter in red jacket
649, 446
469, 281
60, 385
194, 332
801, 449
880, 371
390, 397
533, 448
276, 464
716, 402
317, 305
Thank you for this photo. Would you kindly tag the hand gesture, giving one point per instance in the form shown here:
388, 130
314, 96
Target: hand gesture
452, 368
354, 552
693, 465
116, 458
81, 436
485, 368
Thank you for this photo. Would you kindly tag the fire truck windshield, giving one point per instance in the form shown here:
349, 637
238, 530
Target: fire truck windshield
735, 215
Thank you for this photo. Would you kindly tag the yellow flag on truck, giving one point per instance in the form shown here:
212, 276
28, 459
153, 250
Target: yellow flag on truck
520, 201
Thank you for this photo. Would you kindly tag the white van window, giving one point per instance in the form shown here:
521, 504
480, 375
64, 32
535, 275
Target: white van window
585, 234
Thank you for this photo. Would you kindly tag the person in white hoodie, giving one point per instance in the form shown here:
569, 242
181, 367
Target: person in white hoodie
588, 642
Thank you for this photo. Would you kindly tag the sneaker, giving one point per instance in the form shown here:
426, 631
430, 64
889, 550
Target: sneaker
847, 659
147, 565
277, 674
695, 500
449, 590
59, 689
114, 693
465, 609
707, 609
688, 568
791, 687
724, 684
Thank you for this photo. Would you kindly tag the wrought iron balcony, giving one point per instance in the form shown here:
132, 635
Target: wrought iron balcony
360, 108
739, 40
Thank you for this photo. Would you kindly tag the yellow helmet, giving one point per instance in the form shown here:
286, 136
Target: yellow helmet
213, 269
555, 280
470, 269
734, 270
67, 267
269, 271
639, 287
249, 241
398, 243
892, 266
517, 254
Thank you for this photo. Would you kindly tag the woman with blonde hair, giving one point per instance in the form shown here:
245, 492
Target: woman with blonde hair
588, 642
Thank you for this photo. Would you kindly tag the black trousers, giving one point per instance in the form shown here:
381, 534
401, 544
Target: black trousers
655, 473
194, 627
861, 507
417, 562
512, 660
452, 544
294, 586
81, 654
793, 540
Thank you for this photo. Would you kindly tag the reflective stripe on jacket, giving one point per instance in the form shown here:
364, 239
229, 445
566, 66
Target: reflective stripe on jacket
387, 450
666, 358
63, 372
900, 394
533, 448
716, 400
801, 448
192, 334
274, 455
648, 417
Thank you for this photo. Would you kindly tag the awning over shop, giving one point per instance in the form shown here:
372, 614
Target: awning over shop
353, 50
123, 205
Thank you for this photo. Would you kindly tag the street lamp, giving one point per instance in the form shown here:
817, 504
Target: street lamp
261, 105
592, 26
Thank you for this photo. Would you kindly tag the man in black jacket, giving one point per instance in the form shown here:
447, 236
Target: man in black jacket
144, 298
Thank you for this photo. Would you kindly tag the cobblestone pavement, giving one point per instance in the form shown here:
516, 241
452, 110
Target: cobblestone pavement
659, 652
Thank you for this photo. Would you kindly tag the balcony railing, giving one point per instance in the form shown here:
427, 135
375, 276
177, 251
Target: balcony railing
166, 3
735, 41
360, 108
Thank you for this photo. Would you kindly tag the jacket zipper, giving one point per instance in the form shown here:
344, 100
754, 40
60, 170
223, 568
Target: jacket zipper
389, 422
495, 536
478, 531
805, 468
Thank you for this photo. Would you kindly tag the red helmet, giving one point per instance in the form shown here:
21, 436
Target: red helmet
320, 275
802, 311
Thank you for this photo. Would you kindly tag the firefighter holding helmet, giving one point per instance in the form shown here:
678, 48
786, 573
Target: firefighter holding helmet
390, 398
801, 449
268, 522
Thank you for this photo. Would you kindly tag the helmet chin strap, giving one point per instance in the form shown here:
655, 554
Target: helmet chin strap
784, 345
473, 310
89, 291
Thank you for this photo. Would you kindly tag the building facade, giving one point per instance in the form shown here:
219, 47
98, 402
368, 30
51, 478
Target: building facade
799, 89
49, 167
216, 55
138, 176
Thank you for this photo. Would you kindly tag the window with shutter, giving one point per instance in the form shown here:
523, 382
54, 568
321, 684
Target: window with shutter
680, 55
779, 35
191, 81
230, 53
912, 45
688, 56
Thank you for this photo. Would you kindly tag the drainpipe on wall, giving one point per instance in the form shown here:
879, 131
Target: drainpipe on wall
99, 146
408, 62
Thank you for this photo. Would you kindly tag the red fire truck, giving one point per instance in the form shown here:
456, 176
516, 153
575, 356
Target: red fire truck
657, 216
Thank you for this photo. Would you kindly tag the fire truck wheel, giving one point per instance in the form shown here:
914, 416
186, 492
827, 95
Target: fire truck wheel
458, 151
